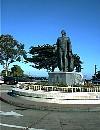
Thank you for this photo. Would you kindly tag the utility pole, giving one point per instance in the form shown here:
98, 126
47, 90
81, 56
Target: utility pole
95, 70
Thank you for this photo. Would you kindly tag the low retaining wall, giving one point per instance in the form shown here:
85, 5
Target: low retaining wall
58, 97
19, 102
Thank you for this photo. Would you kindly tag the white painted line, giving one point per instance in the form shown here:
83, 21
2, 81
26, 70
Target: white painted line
20, 127
13, 126
10, 113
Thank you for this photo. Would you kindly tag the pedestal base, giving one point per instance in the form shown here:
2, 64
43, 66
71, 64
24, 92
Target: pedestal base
68, 78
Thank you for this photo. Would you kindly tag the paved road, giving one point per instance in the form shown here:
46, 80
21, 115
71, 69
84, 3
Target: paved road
47, 120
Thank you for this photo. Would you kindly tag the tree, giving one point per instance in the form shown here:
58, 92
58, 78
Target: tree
98, 75
16, 71
77, 63
10, 51
3, 73
45, 56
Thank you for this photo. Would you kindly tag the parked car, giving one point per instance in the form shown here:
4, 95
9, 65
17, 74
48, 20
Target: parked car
10, 80
1, 80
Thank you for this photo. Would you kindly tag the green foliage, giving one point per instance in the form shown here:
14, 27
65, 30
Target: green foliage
77, 63
60, 85
43, 83
10, 51
3, 73
45, 56
16, 71
98, 75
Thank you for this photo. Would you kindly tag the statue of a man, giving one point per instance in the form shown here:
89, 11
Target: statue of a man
64, 53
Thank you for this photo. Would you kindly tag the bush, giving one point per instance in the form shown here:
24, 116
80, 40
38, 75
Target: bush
61, 85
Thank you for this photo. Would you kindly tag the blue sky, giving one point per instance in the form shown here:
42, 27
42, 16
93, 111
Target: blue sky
34, 22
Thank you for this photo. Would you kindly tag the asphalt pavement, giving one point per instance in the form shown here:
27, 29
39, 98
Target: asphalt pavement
18, 118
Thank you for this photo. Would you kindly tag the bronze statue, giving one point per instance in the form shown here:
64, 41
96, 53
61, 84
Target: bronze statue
64, 53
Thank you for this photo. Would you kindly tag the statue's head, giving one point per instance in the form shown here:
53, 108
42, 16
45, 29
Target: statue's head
63, 33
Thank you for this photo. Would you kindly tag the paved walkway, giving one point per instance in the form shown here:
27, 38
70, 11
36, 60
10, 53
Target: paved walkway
21, 102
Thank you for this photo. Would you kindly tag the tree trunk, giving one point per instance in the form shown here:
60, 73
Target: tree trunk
6, 68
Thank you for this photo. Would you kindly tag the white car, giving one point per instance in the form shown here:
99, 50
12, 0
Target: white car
1, 80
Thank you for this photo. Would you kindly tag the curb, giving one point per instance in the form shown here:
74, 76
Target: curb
19, 102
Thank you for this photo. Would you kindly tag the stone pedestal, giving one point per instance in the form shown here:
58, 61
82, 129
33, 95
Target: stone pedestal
69, 78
